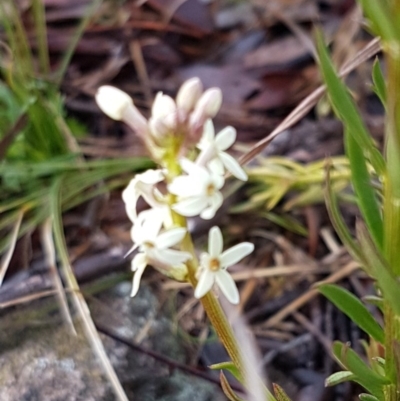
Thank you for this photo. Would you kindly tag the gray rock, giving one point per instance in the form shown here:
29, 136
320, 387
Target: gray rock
40, 360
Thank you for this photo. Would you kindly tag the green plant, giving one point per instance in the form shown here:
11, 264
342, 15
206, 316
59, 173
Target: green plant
42, 170
377, 246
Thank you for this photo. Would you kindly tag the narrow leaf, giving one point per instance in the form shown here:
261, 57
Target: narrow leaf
230, 367
346, 109
367, 397
338, 222
227, 389
279, 393
379, 81
351, 306
366, 194
381, 19
339, 377
379, 269
364, 375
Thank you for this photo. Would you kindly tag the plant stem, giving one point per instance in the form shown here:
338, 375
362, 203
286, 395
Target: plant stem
391, 209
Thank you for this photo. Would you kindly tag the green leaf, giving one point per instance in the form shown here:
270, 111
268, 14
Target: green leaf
367, 397
337, 220
351, 306
366, 194
364, 375
280, 393
374, 300
339, 377
346, 109
379, 269
227, 389
381, 20
230, 367
286, 221
378, 79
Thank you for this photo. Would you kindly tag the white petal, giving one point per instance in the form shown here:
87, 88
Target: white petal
194, 170
170, 257
236, 253
131, 212
218, 180
139, 263
150, 228
191, 206
151, 176
208, 133
225, 138
216, 166
215, 203
227, 286
188, 94
183, 187
130, 193
113, 101
233, 166
215, 242
170, 238
205, 283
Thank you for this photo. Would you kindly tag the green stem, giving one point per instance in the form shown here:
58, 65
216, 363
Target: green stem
391, 209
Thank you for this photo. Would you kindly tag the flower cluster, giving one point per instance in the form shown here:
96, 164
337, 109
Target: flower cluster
184, 186
183, 118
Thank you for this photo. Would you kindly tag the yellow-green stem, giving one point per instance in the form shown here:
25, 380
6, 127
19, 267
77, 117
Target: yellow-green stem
391, 208
210, 303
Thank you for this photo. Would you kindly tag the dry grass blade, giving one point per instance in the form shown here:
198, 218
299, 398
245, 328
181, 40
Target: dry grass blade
310, 294
263, 272
91, 331
50, 256
8, 255
77, 297
27, 298
309, 102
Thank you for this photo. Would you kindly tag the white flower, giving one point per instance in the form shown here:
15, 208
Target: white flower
142, 185
154, 248
213, 151
163, 116
213, 266
198, 192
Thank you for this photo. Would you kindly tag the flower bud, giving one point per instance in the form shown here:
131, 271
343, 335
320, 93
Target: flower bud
113, 101
188, 94
162, 106
206, 107
158, 128
209, 103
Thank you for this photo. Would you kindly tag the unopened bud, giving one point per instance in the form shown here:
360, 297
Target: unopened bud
158, 128
209, 103
188, 94
113, 101
162, 106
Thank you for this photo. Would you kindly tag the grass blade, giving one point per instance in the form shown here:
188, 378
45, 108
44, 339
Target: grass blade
77, 297
11, 247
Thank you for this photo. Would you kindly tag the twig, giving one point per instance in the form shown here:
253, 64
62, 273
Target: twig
172, 364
